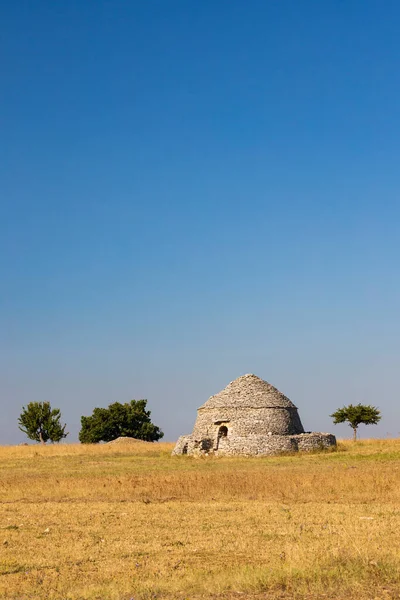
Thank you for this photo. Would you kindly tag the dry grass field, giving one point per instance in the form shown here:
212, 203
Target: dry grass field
117, 522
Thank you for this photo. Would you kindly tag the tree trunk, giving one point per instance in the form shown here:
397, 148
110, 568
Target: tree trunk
355, 434
41, 438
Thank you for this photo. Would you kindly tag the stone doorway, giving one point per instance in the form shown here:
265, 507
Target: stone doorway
221, 436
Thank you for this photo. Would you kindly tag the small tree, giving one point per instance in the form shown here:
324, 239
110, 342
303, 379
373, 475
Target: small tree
41, 423
355, 415
119, 420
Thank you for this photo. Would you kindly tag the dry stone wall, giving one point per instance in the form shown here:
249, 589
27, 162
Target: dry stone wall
245, 421
255, 445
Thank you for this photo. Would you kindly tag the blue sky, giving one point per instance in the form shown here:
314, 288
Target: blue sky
191, 191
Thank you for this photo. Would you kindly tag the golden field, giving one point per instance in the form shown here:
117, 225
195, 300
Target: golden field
122, 522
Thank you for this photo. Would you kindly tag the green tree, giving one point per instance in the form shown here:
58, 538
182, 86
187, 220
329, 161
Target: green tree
119, 420
41, 423
355, 415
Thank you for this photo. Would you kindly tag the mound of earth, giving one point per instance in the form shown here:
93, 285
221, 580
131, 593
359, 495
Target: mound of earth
127, 440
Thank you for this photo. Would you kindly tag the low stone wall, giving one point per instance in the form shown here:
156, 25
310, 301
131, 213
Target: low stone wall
187, 444
181, 446
308, 442
256, 445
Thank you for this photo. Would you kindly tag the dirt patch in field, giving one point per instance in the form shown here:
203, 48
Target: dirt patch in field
128, 440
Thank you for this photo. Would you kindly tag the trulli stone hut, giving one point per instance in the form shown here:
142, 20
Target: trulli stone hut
250, 417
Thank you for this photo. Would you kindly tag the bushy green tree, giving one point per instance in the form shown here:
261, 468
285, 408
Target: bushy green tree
119, 420
354, 415
41, 423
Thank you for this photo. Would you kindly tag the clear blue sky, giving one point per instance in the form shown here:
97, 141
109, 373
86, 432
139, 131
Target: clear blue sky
191, 191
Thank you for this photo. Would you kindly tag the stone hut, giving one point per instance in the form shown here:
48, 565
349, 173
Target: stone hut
250, 417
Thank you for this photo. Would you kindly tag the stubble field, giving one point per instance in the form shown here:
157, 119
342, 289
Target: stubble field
117, 522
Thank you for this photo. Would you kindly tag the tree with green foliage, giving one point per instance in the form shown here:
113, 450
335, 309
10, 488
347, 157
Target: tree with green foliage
41, 423
355, 415
119, 420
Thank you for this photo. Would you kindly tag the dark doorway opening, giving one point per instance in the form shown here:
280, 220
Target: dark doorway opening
223, 432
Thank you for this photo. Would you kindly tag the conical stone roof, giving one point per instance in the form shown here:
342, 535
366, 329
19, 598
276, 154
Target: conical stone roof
248, 391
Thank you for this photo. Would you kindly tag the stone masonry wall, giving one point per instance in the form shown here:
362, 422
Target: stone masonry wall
248, 421
255, 445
